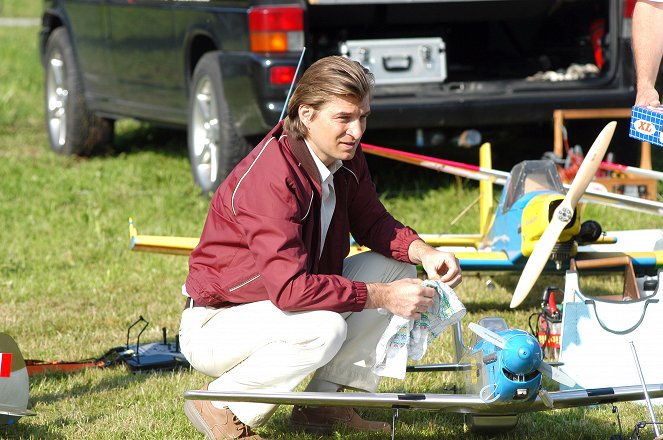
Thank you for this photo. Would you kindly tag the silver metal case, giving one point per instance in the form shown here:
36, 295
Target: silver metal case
400, 61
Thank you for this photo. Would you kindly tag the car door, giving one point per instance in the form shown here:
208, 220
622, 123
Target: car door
88, 27
146, 59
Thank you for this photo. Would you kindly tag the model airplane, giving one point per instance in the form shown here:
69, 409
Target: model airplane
503, 374
14, 382
535, 225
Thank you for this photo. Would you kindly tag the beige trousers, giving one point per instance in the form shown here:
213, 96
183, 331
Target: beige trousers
258, 347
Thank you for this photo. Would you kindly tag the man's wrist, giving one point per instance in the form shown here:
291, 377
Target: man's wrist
375, 295
417, 250
645, 84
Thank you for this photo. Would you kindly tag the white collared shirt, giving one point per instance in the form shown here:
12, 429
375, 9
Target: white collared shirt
328, 195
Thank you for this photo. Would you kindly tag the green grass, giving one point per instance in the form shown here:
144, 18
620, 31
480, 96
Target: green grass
20, 8
69, 285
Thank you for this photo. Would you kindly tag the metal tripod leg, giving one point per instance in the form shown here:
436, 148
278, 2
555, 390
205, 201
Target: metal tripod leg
644, 390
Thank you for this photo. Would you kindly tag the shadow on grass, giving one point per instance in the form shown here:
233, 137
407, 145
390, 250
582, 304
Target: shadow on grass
410, 425
140, 137
107, 383
133, 137
588, 422
24, 429
581, 422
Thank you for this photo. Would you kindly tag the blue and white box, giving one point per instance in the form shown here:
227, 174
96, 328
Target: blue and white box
647, 124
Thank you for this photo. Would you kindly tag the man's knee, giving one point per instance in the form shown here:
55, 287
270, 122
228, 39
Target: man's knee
409, 270
371, 267
326, 336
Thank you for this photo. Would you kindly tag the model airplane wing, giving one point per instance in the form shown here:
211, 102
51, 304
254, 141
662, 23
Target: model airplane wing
469, 259
484, 173
465, 247
14, 412
636, 244
458, 403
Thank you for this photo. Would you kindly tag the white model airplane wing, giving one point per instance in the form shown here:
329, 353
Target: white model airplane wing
457, 403
15, 411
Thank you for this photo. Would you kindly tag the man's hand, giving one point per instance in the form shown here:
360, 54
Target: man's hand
406, 297
439, 265
647, 42
647, 96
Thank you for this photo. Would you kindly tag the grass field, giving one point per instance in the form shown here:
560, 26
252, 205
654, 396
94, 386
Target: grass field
69, 285
20, 8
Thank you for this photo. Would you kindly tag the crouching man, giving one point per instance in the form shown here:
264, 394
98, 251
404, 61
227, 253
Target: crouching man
271, 296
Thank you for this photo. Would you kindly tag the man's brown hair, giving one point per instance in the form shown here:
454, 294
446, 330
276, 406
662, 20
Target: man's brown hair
332, 76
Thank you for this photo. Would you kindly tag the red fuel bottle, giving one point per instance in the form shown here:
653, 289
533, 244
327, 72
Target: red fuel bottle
550, 326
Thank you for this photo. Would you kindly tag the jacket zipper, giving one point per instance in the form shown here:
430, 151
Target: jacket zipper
244, 283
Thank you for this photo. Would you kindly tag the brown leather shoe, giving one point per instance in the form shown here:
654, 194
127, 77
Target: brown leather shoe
322, 419
217, 423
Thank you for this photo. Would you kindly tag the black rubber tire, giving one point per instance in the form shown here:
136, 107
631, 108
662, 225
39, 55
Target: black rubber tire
72, 128
215, 146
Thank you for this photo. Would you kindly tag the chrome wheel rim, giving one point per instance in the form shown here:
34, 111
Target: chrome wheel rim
56, 97
205, 133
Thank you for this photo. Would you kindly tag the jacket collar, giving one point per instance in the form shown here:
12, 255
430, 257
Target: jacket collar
303, 155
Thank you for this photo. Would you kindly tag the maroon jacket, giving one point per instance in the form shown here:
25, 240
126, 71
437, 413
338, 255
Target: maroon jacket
261, 238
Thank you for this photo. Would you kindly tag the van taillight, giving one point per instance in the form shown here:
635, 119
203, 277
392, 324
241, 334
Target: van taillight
276, 29
281, 75
629, 5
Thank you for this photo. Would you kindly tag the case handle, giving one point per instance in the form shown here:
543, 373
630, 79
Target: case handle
620, 332
397, 63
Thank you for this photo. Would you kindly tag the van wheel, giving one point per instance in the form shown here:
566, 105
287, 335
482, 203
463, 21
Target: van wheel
72, 127
215, 146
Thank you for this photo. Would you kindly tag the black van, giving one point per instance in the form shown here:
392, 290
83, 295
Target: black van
222, 69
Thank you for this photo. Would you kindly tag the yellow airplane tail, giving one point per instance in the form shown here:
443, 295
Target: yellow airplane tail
486, 204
